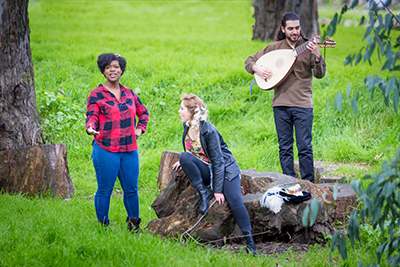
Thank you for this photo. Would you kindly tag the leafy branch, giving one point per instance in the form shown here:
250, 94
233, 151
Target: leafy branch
381, 209
378, 38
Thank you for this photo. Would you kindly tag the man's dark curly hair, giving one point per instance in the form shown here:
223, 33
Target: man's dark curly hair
287, 16
104, 60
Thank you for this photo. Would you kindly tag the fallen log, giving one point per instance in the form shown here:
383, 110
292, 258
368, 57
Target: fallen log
176, 209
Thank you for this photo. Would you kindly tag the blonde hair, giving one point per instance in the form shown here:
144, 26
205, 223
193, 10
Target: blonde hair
196, 107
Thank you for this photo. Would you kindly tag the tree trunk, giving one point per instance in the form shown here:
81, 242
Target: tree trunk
25, 164
268, 15
19, 119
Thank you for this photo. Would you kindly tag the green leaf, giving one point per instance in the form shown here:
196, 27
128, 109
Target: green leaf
380, 43
354, 104
335, 191
381, 25
396, 93
376, 214
357, 58
338, 101
348, 90
356, 185
348, 60
371, 82
369, 51
353, 228
391, 85
368, 31
334, 241
397, 44
314, 210
342, 247
389, 189
380, 250
353, 3
385, 91
306, 215
389, 64
362, 20
342, 11
388, 22
332, 25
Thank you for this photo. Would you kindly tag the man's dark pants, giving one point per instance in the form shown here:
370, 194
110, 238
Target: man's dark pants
301, 119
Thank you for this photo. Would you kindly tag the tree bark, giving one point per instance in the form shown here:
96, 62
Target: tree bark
19, 119
164, 175
268, 15
26, 165
36, 170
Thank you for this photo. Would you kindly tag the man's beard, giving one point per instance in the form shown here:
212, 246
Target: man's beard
293, 38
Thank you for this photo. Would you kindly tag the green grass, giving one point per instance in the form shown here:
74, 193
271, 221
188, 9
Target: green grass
171, 47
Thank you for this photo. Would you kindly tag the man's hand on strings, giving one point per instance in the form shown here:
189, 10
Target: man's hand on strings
313, 47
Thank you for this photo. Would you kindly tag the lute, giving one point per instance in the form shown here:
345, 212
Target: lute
281, 61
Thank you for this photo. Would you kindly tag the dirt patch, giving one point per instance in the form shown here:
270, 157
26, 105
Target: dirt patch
270, 248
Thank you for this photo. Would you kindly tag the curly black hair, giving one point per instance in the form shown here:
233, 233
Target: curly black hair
105, 59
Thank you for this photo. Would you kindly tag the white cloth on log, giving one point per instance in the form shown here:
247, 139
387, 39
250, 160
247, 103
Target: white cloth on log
275, 196
272, 199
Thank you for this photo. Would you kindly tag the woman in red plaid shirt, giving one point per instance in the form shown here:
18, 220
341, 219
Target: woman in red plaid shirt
111, 118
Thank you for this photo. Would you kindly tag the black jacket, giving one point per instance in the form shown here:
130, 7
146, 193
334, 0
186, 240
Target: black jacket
223, 164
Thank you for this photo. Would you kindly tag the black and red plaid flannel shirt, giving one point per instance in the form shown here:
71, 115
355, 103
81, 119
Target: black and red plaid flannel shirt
115, 120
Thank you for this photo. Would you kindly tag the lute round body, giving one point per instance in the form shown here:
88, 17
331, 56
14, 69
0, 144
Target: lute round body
280, 62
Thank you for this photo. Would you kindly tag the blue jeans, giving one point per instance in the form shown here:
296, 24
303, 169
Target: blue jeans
301, 119
109, 165
199, 172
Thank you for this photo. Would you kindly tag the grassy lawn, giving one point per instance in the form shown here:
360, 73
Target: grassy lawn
173, 47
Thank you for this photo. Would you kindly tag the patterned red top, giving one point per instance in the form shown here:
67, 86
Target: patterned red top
195, 148
115, 120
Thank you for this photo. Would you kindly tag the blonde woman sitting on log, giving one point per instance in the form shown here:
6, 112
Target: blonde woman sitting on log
208, 163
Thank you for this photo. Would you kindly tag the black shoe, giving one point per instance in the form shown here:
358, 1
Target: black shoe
250, 245
134, 224
205, 196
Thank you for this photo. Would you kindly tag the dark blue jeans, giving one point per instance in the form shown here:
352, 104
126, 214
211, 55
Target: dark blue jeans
109, 165
301, 119
199, 172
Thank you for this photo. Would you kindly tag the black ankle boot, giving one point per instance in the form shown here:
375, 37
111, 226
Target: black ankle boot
250, 245
205, 196
133, 224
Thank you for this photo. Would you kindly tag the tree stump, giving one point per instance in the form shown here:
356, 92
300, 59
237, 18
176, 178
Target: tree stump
176, 209
36, 170
164, 175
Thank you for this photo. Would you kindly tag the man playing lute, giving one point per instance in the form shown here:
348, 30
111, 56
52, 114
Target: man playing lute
292, 103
